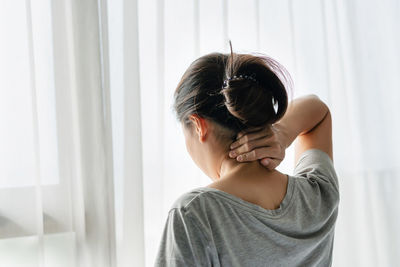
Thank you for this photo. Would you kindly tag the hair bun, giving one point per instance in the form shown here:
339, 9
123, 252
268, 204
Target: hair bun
246, 100
256, 94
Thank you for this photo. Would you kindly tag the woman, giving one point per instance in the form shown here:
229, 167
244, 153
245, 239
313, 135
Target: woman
235, 115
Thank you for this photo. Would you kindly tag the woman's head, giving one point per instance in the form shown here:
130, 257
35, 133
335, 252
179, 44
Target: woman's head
220, 95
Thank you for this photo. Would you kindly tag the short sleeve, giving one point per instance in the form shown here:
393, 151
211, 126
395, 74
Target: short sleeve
316, 164
183, 243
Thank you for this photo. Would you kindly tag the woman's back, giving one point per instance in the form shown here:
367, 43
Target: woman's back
220, 229
256, 185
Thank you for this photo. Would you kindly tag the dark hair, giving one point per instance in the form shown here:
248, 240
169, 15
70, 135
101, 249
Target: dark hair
239, 104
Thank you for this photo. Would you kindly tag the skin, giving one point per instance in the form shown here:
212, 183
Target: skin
307, 120
249, 181
246, 167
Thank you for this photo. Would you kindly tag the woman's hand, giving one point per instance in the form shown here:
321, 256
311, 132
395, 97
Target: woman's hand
267, 144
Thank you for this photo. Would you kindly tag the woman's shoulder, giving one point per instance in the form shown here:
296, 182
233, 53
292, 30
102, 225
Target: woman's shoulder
317, 167
189, 198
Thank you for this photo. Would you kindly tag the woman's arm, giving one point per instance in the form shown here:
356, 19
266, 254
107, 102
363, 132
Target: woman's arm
307, 119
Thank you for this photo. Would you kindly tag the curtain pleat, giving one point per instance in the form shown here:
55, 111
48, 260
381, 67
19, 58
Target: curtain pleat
38, 181
133, 223
97, 246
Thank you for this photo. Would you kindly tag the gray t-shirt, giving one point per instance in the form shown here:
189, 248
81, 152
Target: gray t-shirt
209, 227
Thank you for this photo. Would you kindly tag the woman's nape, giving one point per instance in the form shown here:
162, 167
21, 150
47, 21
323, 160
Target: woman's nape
249, 181
208, 146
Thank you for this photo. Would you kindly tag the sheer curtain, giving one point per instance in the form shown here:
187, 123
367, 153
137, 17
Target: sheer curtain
56, 187
92, 157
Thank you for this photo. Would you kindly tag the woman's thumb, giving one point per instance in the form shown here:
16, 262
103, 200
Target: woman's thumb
265, 162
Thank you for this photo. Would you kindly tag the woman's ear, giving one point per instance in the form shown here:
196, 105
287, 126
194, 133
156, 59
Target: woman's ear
201, 126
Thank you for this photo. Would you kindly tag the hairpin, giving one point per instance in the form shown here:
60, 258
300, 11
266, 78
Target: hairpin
240, 77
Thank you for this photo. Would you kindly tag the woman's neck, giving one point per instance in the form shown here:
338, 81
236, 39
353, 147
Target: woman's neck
232, 168
251, 182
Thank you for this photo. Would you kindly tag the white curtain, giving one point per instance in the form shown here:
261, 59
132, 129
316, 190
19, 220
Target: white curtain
56, 186
92, 158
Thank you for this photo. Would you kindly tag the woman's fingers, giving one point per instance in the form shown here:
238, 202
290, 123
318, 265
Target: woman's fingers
244, 138
249, 131
263, 143
255, 154
248, 146
249, 156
